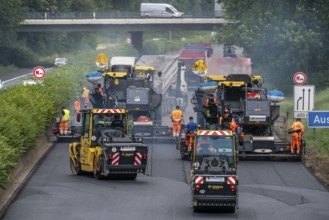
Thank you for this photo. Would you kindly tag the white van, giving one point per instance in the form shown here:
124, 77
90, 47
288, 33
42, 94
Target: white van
159, 10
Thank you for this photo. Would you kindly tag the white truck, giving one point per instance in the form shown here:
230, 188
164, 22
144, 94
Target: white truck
159, 10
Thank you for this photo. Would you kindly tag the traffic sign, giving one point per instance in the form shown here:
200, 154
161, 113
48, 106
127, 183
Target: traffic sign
303, 100
318, 119
39, 72
299, 78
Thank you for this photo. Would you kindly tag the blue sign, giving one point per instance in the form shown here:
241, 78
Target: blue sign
317, 119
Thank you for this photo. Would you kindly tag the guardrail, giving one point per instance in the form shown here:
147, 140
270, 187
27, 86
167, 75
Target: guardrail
108, 15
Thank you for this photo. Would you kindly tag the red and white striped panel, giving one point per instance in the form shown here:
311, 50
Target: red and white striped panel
115, 159
110, 111
214, 133
231, 180
198, 180
138, 159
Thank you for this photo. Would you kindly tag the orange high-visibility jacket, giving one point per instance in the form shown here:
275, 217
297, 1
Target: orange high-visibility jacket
177, 115
298, 125
77, 106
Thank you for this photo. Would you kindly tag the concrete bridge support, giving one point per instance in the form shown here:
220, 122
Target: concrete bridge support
137, 40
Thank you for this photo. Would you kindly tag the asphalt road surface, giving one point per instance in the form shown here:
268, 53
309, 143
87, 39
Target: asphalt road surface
268, 190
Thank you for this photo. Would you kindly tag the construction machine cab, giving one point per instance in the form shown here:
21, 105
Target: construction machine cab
214, 171
215, 153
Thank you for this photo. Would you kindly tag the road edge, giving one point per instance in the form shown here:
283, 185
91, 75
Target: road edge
25, 166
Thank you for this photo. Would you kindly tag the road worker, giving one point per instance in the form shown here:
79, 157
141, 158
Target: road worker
176, 117
191, 128
211, 105
100, 89
226, 119
77, 106
99, 97
297, 130
212, 101
117, 122
233, 125
64, 122
85, 95
204, 147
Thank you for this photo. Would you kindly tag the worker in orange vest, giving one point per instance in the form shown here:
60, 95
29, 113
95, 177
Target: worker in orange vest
297, 130
77, 106
233, 125
176, 117
100, 89
212, 101
205, 147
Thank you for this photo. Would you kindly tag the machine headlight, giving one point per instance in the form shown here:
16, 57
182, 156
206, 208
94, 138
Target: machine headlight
196, 165
93, 138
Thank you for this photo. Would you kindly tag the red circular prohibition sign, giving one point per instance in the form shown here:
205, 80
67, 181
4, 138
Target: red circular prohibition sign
39, 72
299, 78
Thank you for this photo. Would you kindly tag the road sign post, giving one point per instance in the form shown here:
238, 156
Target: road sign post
318, 119
39, 72
303, 100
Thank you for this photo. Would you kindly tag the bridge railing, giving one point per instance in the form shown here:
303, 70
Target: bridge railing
107, 15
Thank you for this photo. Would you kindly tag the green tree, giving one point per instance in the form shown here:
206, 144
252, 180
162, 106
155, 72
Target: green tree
281, 37
83, 6
11, 14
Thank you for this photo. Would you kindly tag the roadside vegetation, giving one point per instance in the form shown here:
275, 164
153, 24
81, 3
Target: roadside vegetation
28, 110
317, 139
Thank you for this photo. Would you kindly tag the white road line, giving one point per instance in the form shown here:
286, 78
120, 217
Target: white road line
16, 78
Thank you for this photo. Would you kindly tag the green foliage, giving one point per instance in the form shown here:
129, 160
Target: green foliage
317, 138
17, 55
281, 37
11, 13
7, 159
7, 69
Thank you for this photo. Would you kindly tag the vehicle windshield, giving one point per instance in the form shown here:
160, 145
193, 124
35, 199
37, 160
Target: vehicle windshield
214, 145
173, 9
108, 121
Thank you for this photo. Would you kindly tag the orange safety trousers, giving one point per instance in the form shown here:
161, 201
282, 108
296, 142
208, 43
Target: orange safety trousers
295, 142
176, 127
63, 127
189, 139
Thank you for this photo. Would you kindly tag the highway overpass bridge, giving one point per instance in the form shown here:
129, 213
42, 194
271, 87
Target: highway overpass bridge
135, 26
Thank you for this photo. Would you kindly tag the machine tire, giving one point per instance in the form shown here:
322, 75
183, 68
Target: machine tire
181, 149
231, 209
75, 168
97, 169
131, 176
197, 209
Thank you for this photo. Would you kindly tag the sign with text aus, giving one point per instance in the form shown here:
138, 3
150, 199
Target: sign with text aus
303, 100
318, 119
